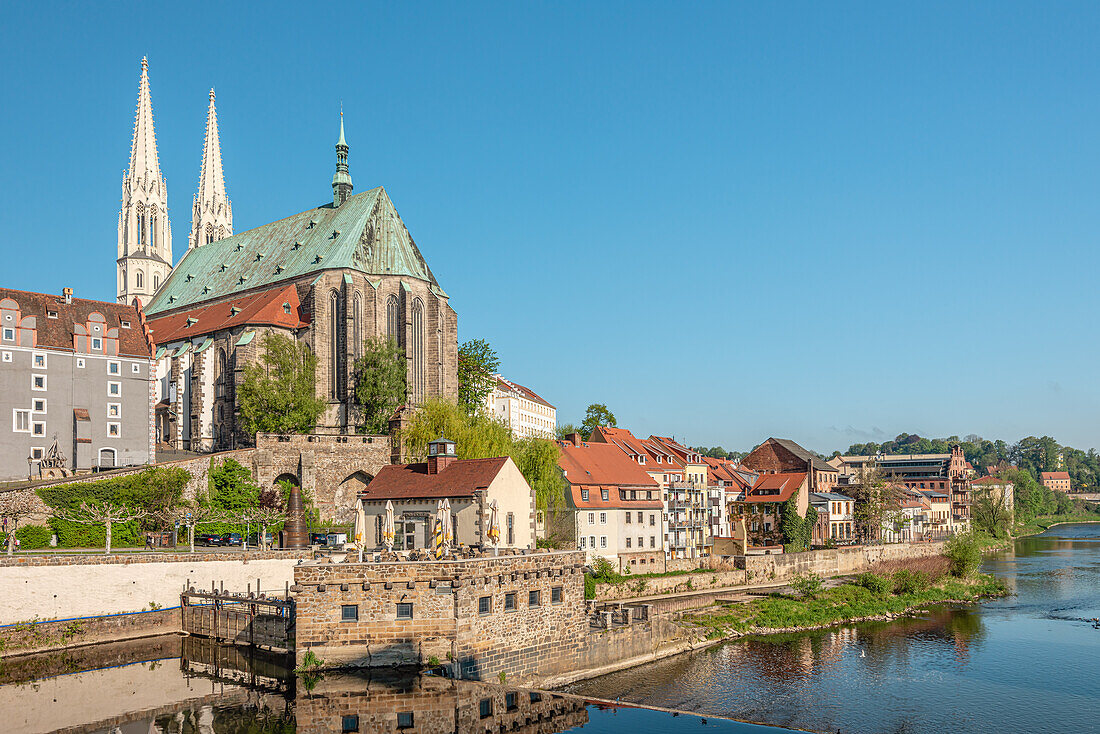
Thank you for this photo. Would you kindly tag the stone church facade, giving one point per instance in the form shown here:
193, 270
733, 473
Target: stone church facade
329, 277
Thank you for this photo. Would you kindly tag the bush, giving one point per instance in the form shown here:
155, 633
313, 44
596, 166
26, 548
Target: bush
808, 586
964, 553
33, 536
80, 535
911, 582
874, 583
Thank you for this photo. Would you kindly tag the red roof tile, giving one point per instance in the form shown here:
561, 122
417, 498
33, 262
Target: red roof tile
990, 480
614, 500
787, 484
412, 481
601, 464
1055, 475
264, 308
58, 333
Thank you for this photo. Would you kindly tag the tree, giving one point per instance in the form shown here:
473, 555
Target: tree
596, 415
481, 436
875, 497
279, 393
14, 506
477, 363
230, 487
104, 513
191, 515
990, 513
380, 377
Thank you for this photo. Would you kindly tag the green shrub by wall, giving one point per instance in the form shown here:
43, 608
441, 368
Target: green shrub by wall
33, 536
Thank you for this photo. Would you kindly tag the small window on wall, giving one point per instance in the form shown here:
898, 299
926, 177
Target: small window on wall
114, 429
114, 410
114, 389
510, 701
485, 707
556, 595
350, 724
39, 360
9, 334
97, 343
405, 720
7, 356
37, 452
38, 382
603, 495
534, 598
38, 428
113, 367
135, 368
485, 605
404, 610
38, 405
510, 601
349, 613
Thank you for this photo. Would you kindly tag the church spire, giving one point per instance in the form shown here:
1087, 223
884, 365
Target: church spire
212, 213
341, 180
144, 232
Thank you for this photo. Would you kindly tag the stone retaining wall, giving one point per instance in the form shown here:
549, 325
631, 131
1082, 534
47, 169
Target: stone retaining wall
833, 561
35, 636
635, 587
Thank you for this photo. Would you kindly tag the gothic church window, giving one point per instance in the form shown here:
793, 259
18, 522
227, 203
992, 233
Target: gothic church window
391, 319
334, 344
153, 228
139, 279
141, 225
156, 281
419, 358
357, 325
209, 233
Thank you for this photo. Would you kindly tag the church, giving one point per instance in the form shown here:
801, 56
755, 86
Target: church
329, 277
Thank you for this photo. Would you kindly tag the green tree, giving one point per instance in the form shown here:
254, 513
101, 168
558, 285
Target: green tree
566, 429
477, 363
596, 415
231, 488
480, 436
279, 392
380, 379
991, 514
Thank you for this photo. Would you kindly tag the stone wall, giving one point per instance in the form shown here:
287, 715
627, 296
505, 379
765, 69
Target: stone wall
522, 642
36, 636
65, 587
833, 561
632, 588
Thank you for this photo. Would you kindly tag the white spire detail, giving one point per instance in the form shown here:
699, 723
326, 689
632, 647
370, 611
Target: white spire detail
212, 212
144, 231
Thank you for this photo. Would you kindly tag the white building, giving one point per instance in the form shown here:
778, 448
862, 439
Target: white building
522, 409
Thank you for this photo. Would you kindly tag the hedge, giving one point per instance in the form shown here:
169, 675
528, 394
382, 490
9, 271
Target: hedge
34, 536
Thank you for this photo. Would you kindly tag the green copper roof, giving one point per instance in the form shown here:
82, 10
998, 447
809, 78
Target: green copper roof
364, 234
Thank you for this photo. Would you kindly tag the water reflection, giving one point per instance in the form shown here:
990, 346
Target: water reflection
190, 686
1025, 663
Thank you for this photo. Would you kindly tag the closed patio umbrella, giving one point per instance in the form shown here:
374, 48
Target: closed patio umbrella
494, 525
448, 527
387, 527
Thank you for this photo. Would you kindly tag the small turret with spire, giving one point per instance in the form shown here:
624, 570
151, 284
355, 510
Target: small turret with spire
212, 212
341, 180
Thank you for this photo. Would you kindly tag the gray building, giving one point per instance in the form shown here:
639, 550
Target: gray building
76, 377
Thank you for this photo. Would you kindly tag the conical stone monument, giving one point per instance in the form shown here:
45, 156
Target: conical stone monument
295, 534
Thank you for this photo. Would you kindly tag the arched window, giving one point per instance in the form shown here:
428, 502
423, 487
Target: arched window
357, 325
221, 233
139, 280
419, 359
392, 330
334, 343
153, 227
156, 281
106, 457
219, 375
141, 224
209, 233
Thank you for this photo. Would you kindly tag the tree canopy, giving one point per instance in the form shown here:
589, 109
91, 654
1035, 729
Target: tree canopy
477, 363
480, 436
279, 393
381, 383
597, 414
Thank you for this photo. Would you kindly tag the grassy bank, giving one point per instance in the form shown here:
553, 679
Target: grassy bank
1044, 522
868, 596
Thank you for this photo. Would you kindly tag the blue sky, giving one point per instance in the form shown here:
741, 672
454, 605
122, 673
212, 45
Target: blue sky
827, 221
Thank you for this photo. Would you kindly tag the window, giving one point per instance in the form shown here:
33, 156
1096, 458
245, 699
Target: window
38, 428
603, 541
38, 405
349, 724
405, 720
21, 421
140, 280
7, 356
135, 368
652, 541
80, 362
486, 707
404, 610
510, 601
556, 595
114, 389
535, 697
349, 613
156, 281
38, 382
603, 495
582, 542
113, 367
9, 334
592, 518
592, 541
39, 360
628, 518
603, 518
652, 519
125, 324
51, 314
37, 452
510, 701
97, 343
485, 605
628, 542
584, 495
639, 517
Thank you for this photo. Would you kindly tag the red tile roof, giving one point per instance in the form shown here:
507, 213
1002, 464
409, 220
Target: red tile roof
787, 484
596, 501
412, 481
727, 471
601, 464
1055, 475
264, 308
635, 446
59, 333
990, 480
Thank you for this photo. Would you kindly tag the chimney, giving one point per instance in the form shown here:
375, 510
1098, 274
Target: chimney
441, 454
68, 294
575, 439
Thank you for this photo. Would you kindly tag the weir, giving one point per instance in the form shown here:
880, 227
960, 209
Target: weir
252, 619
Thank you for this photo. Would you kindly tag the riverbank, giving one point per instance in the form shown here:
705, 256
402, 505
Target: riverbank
1046, 522
868, 597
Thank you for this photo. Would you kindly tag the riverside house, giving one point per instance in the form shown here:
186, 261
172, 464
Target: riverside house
616, 505
838, 511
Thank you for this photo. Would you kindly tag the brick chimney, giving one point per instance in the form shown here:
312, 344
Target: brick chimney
441, 453
68, 294
575, 439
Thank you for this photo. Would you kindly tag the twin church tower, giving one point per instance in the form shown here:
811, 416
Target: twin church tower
144, 231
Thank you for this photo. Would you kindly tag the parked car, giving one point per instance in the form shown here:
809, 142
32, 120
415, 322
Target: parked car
318, 538
254, 540
231, 539
208, 539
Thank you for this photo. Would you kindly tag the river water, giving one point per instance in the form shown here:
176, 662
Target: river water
1026, 663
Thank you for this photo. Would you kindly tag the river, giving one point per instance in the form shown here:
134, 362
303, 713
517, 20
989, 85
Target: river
1026, 663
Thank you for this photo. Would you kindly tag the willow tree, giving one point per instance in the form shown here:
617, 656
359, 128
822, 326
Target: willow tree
279, 393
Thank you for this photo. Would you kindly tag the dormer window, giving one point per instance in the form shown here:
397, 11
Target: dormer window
125, 324
191, 321
234, 311
286, 308
51, 314
584, 495
603, 495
